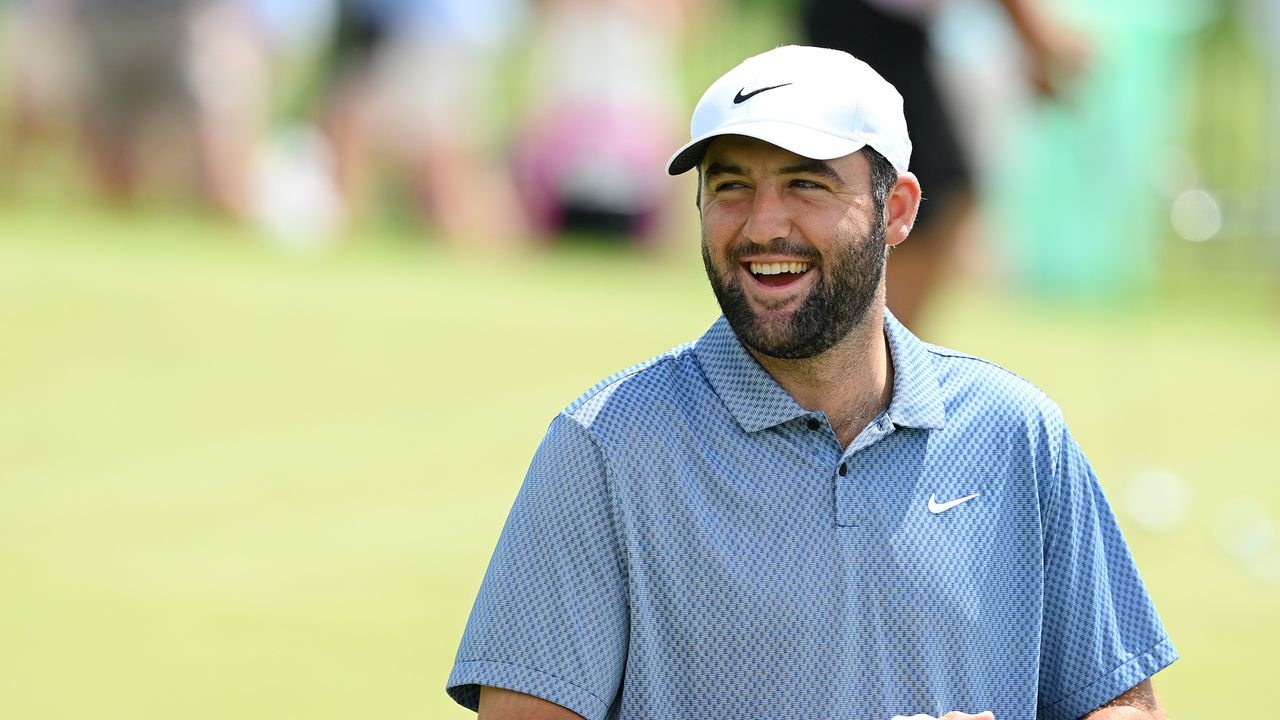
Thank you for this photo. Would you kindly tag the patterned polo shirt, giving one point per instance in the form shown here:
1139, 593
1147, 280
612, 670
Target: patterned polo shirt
691, 543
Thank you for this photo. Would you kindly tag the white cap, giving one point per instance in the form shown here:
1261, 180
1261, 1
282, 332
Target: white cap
817, 103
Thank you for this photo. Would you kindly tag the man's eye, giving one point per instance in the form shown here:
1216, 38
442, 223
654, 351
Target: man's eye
806, 185
729, 185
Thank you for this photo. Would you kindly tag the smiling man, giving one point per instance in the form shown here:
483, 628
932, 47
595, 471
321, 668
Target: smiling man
808, 512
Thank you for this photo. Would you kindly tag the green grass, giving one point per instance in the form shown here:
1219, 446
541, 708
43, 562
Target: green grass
243, 484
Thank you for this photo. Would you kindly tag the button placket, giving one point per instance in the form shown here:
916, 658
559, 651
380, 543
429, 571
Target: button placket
848, 508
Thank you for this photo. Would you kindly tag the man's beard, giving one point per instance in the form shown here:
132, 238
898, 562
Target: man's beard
845, 289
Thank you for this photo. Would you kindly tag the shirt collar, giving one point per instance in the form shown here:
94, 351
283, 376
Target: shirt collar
757, 401
750, 393
917, 392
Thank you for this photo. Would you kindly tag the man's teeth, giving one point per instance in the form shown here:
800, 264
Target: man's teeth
759, 268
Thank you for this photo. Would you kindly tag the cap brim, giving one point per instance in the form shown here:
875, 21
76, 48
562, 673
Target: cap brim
801, 140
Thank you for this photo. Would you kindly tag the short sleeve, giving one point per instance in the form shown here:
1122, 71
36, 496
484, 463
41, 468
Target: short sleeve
1101, 634
551, 618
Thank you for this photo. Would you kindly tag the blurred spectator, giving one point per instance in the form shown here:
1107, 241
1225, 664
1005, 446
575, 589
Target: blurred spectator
293, 28
604, 112
171, 91
412, 82
41, 77
893, 37
1264, 18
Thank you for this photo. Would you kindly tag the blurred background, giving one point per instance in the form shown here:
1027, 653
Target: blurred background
290, 289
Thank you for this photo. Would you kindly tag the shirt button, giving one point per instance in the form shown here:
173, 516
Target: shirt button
814, 424
844, 469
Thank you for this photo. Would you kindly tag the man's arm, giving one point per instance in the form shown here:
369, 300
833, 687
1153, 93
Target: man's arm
1136, 703
552, 617
1054, 53
500, 704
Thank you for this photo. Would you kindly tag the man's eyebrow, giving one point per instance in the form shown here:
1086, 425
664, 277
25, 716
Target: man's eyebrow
812, 167
804, 167
716, 168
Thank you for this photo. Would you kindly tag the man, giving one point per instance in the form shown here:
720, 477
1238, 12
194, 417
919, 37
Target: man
808, 512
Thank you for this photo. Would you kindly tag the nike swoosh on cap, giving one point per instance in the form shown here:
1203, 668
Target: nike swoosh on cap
741, 97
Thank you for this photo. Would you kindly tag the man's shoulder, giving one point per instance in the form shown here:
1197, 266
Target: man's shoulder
977, 381
636, 390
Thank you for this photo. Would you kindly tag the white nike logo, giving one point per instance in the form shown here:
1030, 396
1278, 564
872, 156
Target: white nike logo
936, 507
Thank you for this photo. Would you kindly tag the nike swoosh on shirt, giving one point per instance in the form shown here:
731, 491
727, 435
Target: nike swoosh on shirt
743, 97
936, 507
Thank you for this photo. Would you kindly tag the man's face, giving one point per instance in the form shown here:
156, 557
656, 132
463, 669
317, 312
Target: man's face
794, 247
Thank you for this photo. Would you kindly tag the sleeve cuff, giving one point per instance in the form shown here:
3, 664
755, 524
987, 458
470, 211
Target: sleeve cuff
1107, 687
467, 677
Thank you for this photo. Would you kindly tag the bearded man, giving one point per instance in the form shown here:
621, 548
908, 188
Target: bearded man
809, 512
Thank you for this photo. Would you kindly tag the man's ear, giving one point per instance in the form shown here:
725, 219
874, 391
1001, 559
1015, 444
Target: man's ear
900, 209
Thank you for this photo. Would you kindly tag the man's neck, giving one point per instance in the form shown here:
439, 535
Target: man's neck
852, 382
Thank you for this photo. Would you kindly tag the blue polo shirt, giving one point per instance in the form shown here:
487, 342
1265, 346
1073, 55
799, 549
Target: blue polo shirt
691, 543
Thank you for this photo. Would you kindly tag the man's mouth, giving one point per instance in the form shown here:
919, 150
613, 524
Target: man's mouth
777, 274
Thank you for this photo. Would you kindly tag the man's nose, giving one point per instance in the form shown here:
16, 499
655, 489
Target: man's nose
769, 218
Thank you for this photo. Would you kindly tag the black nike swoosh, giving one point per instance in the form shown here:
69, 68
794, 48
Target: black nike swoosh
741, 98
